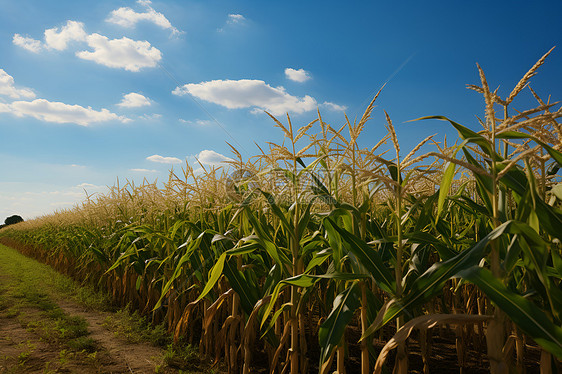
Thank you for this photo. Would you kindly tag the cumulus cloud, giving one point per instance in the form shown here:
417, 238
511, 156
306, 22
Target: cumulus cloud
164, 160
8, 88
52, 111
127, 17
248, 93
49, 111
335, 107
144, 170
58, 38
28, 43
209, 157
134, 100
299, 75
123, 53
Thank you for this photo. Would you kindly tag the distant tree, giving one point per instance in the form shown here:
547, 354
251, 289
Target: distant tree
13, 219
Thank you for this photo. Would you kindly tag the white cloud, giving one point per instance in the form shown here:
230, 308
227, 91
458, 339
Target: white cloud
127, 17
89, 187
58, 39
5, 108
151, 117
125, 53
247, 93
7, 87
134, 100
164, 160
299, 75
209, 157
199, 122
52, 111
121, 53
25, 42
333, 106
144, 170
235, 18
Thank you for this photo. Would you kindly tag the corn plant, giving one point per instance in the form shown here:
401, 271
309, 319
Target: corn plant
289, 251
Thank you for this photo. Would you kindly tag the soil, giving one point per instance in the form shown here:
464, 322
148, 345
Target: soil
27, 345
126, 357
30, 341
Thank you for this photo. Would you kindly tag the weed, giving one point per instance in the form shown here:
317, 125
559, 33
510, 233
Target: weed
83, 343
182, 357
136, 328
71, 327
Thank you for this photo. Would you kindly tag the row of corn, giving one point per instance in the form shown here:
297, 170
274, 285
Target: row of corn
318, 244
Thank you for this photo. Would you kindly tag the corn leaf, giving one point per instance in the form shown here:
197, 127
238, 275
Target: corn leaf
526, 315
332, 330
368, 257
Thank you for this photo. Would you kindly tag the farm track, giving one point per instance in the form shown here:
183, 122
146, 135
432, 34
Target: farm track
136, 358
33, 313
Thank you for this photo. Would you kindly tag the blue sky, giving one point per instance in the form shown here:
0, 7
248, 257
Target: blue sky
95, 91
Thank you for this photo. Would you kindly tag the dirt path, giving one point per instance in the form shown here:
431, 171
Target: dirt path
44, 330
127, 357
27, 347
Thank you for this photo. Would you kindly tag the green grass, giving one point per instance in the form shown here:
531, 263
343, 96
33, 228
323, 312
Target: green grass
37, 283
29, 291
135, 328
185, 358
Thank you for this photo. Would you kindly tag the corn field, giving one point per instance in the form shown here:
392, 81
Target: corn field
291, 258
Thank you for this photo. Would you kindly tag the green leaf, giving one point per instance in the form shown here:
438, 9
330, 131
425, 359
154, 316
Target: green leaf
526, 315
512, 254
431, 282
557, 262
190, 245
214, 275
318, 259
550, 218
265, 240
332, 330
368, 256
483, 182
288, 226
302, 280
466, 134
247, 290
445, 186
100, 255
393, 169
556, 155
304, 219
421, 237
305, 281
